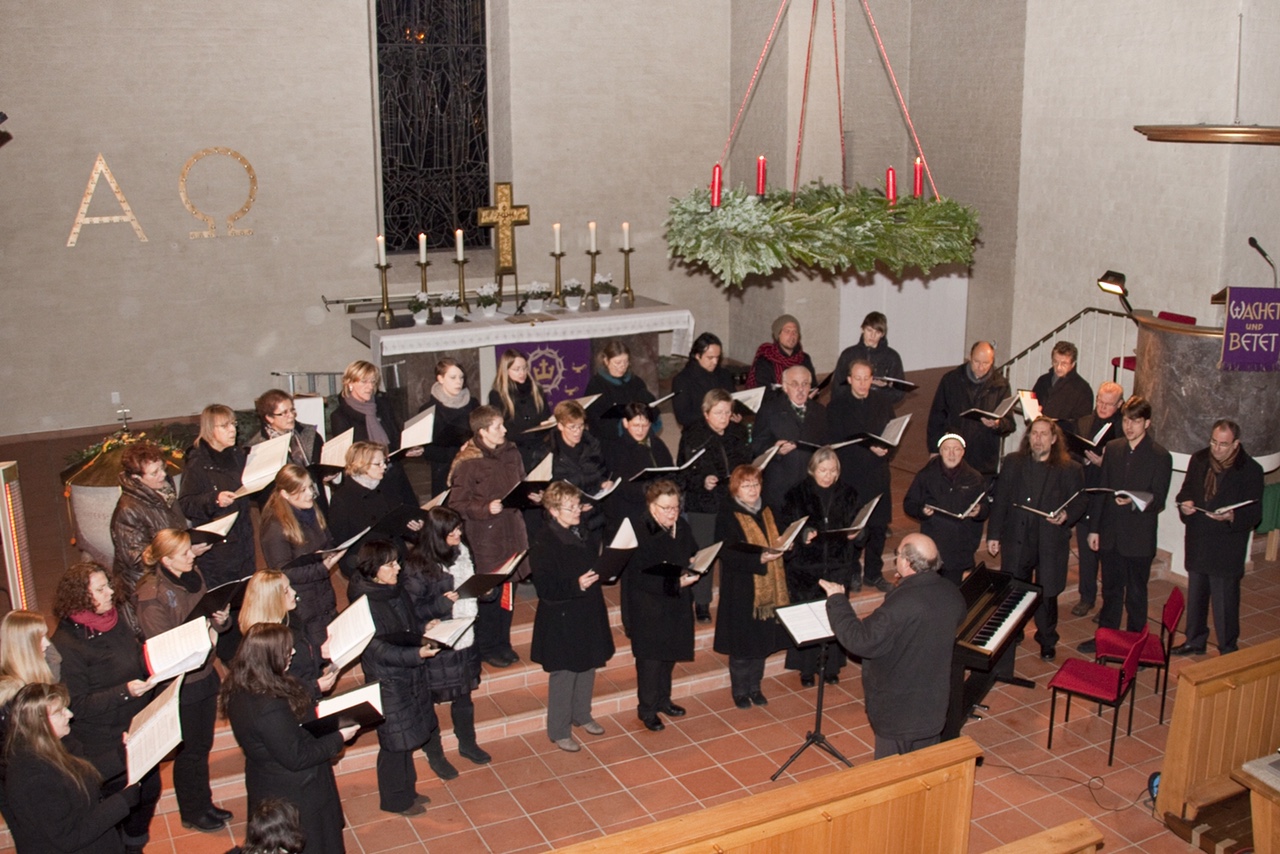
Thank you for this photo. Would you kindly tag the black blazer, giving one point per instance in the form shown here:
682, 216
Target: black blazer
1147, 468
50, 814
1218, 548
1020, 531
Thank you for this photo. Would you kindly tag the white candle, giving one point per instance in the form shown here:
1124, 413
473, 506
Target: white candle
422, 247
382, 250
555, 229
626, 235
457, 240
591, 226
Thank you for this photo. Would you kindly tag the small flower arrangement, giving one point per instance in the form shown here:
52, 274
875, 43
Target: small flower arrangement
538, 290
603, 284
170, 438
447, 298
573, 288
487, 295
419, 303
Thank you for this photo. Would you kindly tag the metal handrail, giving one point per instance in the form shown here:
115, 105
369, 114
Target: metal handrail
1061, 326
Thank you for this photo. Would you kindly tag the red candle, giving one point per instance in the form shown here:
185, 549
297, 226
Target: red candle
917, 183
715, 186
761, 166
891, 185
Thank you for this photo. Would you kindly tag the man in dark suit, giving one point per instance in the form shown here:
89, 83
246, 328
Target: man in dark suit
974, 385
1219, 476
1062, 393
1124, 534
784, 420
1039, 476
1106, 410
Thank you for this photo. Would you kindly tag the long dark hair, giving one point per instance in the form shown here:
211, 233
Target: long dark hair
259, 668
30, 730
274, 828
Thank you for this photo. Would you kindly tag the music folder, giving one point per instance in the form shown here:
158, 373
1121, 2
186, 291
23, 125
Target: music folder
1030, 405
447, 632
785, 539
1002, 409
698, 564
584, 402
859, 520
900, 383
750, 399
807, 622
333, 454
215, 531
178, 650
312, 557
890, 436
613, 560
482, 582
764, 459
1079, 444
361, 706
397, 521
666, 471
217, 598
519, 497
618, 410
1206, 511
264, 462
350, 632
153, 732
964, 514
1051, 513
835, 446
1139, 498
418, 430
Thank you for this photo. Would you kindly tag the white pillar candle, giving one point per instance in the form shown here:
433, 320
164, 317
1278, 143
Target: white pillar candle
591, 226
422, 247
382, 250
626, 235
457, 240
555, 229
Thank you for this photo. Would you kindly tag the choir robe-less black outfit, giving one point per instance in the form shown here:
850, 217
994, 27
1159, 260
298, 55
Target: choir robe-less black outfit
1031, 547
657, 613
615, 391
48, 814
317, 605
207, 474
691, 385
885, 362
957, 393
527, 415
779, 420
957, 539
747, 641
867, 472
395, 480
1088, 426
723, 453
1065, 400
283, 760
825, 558
450, 431
583, 466
355, 507
626, 458
1215, 551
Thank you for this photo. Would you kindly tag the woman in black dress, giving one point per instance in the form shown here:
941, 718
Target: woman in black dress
523, 405
699, 375
210, 479
578, 460
452, 427
282, 759
368, 413
571, 635
637, 450
830, 505
363, 499
753, 585
617, 386
657, 611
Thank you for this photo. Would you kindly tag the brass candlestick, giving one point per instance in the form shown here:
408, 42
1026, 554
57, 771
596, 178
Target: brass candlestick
386, 317
422, 266
557, 295
591, 282
462, 285
628, 295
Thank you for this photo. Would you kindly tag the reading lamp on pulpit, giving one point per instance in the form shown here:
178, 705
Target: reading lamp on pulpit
1113, 283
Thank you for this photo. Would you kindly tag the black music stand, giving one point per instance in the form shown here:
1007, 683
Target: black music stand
816, 736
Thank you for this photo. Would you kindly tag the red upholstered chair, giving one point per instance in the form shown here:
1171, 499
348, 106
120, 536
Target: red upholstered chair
1128, 362
1113, 644
1099, 683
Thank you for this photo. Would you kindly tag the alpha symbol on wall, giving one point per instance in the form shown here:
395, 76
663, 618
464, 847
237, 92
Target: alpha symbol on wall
100, 168
212, 230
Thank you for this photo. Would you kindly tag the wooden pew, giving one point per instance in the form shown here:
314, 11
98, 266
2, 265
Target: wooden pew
919, 802
1225, 715
1075, 837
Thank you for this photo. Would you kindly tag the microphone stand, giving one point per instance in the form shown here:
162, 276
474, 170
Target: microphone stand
1253, 241
816, 736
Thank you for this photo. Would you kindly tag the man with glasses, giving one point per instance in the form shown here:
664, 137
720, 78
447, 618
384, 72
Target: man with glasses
905, 646
1211, 504
784, 420
1106, 410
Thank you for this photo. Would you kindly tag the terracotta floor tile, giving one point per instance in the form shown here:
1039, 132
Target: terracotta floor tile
662, 796
709, 783
1009, 825
387, 833
752, 771
522, 772
463, 842
488, 809
476, 782
611, 809
729, 748
560, 822
440, 820
614, 749
546, 795
637, 772
509, 836
593, 783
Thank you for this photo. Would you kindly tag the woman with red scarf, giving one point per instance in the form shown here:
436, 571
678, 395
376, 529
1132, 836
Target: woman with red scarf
783, 352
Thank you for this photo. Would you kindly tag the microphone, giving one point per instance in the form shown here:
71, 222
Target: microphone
1253, 242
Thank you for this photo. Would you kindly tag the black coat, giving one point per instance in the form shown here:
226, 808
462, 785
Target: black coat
583, 466
724, 453
451, 672
353, 508
571, 627
392, 659
164, 604
307, 664
885, 362
140, 514
738, 632
344, 418
626, 458
615, 392
50, 815
1028, 539
283, 760
691, 385
955, 394
865, 471
450, 431
207, 473
527, 415
304, 450
957, 539
829, 558
1147, 468
779, 420
1218, 548
766, 373
317, 605
905, 646
96, 667
1067, 400
657, 612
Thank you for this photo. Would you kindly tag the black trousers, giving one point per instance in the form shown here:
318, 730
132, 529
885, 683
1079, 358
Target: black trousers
745, 675
397, 779
1224, 594
136, 827
1046, 615
191, 764
1088, 560
1124, 587
653, 686
493, 625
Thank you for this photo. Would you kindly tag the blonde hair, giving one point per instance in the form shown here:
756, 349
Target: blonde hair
358, 371
360, 456
289, 480
209, 414
166, 543
502, 383
264, 599
22, 661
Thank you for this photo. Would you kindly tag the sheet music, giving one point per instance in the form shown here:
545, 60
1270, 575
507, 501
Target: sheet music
418, 430
438, 501
750, 398
807, 622
220, 526
654, 469
625, 538
1225, 509
541, 472
860, 520
350, 632
787, 537
177, 650
265, 460
964, 514
153, 732
604, 493
1030, 405
892, 433
447, 632
703, 558
763, 460
334, 451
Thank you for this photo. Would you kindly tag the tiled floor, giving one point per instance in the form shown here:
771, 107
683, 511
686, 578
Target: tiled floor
534, 797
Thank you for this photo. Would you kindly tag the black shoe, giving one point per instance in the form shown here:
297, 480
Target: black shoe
742, 702
1081, 608
474, 752
421, 799
883, 585
497, 659
441, 767
832, 679
671, 710
207, 823
1088, 647
1097, 618
758, 699
1187, 649
703, 613
1048, 653
225, 815
807, 681
653, 724
511, 656
853, 587
413, 809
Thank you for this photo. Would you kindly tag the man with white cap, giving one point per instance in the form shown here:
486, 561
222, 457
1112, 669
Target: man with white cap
942, 498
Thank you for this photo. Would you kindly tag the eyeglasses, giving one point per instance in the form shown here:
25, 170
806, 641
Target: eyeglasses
667, 508
379, 463
570, 508
282, 413
1213, 443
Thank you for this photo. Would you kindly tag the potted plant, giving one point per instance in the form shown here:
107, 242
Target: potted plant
449, 306
420, 308
604, 289
573, 291
487, 298
536, 295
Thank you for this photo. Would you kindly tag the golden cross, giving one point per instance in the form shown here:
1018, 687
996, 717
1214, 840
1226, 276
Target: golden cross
504, 216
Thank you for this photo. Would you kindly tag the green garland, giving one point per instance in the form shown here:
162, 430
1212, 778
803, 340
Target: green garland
826, 228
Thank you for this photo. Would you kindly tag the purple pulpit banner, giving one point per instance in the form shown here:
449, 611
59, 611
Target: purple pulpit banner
1251, 334
562, 368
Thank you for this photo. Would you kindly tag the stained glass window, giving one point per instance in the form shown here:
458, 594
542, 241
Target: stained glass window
435, 126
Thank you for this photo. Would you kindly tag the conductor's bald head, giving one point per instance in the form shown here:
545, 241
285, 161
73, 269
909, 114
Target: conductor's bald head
918, 553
